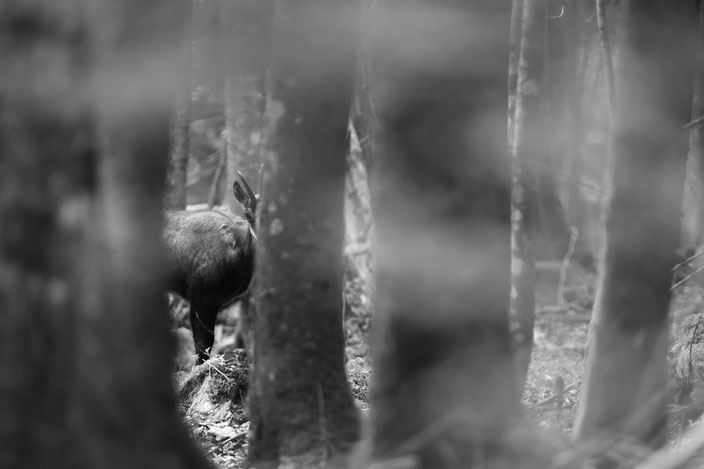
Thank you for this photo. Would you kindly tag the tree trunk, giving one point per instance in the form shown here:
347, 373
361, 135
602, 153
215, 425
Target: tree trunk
559, 58
177, 170
578, 51
528, 147
37, 331
363, 116
695, 173
607, 57
301, 406
245, 29
216, 186
515, 37
625, 387
444, 390
85, 362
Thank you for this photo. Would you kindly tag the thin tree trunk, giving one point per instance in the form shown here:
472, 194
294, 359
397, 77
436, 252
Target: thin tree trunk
528, 148
215, 193
572, 166
696, 143
301, 407
85, 362
607, 57
624, 392
515, 36
444, 390
560, 55
245, 30
363, 116
177, 170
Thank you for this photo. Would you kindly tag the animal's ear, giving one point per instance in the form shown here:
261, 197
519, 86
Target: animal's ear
245, 196
240, 194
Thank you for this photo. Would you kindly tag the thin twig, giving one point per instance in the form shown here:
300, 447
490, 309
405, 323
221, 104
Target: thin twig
564, 266
688, 260
687, 278
225, 441
213, 367
696, 121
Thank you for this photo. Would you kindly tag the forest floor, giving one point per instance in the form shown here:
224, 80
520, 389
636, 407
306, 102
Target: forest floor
212, 396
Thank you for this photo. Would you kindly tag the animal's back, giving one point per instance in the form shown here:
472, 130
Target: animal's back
208, 253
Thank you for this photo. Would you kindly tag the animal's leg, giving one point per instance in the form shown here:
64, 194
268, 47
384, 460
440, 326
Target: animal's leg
203, 323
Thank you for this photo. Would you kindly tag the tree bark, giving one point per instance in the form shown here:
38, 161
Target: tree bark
625, 387
85, 362
528, 147
444, 390
301, 407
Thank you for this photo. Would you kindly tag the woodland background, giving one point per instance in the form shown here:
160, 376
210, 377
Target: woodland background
483, 190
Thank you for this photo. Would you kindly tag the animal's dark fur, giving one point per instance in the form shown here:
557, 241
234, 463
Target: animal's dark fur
210, 263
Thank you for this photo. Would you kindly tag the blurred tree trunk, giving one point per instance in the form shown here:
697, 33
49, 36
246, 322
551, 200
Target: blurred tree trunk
39, 127
694, 189
608, 64
444, 390
528, 147
363, 116
515, 35
215, 195
85, 359
245, 29
577, 55
177, 169
625, 387
301, 407
550, 224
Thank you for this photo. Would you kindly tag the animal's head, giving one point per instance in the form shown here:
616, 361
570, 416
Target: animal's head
247, 198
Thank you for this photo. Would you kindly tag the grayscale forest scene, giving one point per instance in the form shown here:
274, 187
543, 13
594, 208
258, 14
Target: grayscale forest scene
364, 234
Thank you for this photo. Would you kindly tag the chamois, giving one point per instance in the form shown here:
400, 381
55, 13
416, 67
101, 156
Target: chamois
210, 261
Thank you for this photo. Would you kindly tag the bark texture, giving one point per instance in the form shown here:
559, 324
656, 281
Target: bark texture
625, 387
85, 360
444, 389
301, 406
